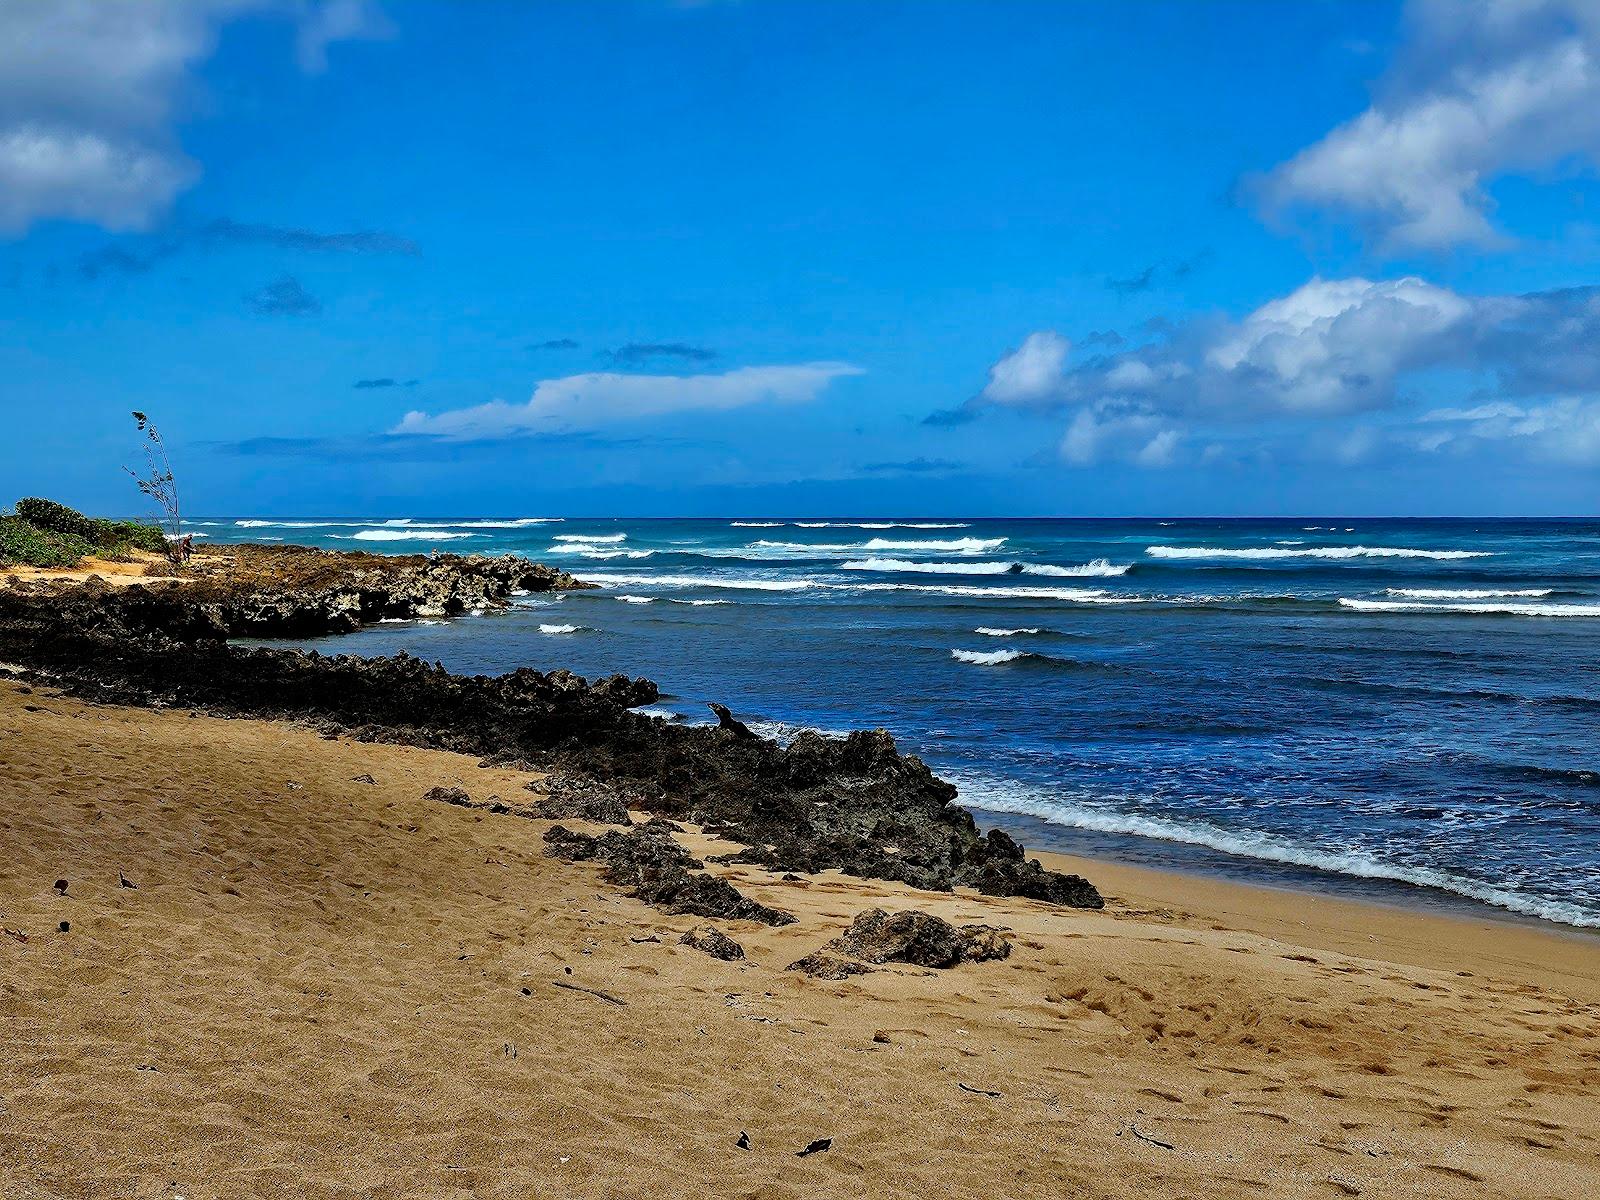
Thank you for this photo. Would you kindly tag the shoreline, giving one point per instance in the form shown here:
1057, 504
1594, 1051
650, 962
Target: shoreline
1138, 852
286, 598
316, 983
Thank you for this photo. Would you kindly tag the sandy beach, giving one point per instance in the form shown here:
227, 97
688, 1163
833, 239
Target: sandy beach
312, 985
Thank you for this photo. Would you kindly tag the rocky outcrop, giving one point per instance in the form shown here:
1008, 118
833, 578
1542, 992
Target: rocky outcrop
657, 870
294, 591
918, 938
569, 797
854, 804
714, 942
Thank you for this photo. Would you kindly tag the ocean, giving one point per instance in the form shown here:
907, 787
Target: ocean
1406, 710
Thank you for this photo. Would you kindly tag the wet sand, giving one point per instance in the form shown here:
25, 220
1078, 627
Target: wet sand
328, 988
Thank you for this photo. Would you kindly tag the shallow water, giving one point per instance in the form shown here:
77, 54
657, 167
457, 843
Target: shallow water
1318, 698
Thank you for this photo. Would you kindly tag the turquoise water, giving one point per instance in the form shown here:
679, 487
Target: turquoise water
1402, 704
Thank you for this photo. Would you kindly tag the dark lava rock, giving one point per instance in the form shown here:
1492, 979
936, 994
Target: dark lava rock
657, 869
827, 966
571, 797
714, 942
918, 938
855, 804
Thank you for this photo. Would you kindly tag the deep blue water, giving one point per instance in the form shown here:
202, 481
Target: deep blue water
1311, 700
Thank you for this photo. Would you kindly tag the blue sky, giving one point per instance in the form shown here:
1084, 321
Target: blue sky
768, 257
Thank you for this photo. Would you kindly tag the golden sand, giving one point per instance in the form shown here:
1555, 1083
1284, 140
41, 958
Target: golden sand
318, 987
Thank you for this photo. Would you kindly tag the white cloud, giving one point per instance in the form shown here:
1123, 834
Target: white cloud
88, 90
1335, 345
1328, 350
607, 398
1033, 369
1565, 430
336, 21
1481, 90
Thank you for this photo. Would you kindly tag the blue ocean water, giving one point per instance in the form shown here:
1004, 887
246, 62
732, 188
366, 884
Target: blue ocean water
1319, 702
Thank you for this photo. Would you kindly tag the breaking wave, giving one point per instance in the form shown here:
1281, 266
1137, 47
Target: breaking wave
561, 628
1469, 593
403, 535
1478, 610
1273, 848
1331, 552
593, 539
991, 658
988, 632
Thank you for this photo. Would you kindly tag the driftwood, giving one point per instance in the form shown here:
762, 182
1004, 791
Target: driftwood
573, 987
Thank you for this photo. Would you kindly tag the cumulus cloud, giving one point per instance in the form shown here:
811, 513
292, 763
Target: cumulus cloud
1564, 430
607, 398
1030, 373
87, 93
1481, 89
1331, 348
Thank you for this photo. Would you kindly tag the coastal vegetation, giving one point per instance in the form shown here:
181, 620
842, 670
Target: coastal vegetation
43, 533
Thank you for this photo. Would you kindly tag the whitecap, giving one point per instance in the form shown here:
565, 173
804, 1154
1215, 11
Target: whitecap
889, 565
591, 538
987, 631
1329, 552
637, 599
1273, 848
1479, 610
403, 535
560, 628
1469, 593
1098, 568
703, 581
991, 658
756, 524
883, 525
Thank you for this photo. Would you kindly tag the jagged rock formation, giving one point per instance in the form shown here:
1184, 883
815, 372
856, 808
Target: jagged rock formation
918, 938
855, 803
657, 869
714, 942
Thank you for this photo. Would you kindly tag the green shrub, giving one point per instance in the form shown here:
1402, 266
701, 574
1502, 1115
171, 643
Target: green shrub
119, 535
24, 542
58, 518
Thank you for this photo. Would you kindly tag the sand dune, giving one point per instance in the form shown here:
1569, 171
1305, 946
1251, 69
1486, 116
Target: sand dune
322, 987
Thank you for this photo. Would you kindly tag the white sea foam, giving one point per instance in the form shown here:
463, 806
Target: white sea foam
702, 603
510, 523
637, 599
1477, 609
1272, 848
560, 628
989, 632
1330, 552
883, 525
702, 581
1098, 568
974, 591
591, 538
888, 565
596, 552
756, 524
992, 658
1469, 593
403, 535
950, 546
